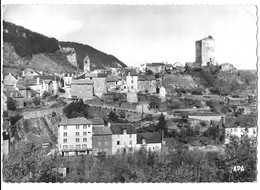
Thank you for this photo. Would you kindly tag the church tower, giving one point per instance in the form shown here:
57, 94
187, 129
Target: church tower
86, 65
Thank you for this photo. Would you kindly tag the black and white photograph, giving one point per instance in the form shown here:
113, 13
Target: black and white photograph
129, 93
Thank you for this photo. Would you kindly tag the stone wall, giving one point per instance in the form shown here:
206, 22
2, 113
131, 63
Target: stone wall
41, 113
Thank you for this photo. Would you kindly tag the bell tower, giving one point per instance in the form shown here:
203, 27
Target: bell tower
86, 65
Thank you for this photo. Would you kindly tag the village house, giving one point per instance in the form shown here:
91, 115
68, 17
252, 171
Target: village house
149, 141
112, 82
52, 83
155, 67
75, 136
82, 88
102, 140
123, 138
99, 82
233, 128
10, 80
131, 81
147, 83
28, 72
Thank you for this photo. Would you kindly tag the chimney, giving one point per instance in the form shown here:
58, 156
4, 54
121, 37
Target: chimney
108, 124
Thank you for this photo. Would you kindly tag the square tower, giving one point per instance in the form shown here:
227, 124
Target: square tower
205, 51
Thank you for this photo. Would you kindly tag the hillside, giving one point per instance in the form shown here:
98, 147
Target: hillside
26, 43
99, 60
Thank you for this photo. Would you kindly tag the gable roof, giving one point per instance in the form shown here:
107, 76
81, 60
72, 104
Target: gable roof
131, 71
97, 121
149, 137
75, 121
101, 131
117, 128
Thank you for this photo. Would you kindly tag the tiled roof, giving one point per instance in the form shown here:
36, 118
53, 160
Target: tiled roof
75, 121
149, 137
97, 121
112, 78
146, 77
81, 81
101, 131
31, 82
132, 72
119, 127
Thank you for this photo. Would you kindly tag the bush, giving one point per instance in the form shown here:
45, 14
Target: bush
154, 102
36, 101
45, 95
76, 109
11, 104
15, 118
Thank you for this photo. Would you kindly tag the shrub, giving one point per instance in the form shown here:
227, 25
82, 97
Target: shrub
15, 118
45, 95
11, 104
36, 101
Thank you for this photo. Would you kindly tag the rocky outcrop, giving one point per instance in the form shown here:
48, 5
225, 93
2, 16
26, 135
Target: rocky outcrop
71, 55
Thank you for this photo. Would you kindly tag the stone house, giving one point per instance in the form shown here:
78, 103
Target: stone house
82, 88
147, 83
149, 141
112, 82
102, 140
155, 67
10, 80
75, 136
55, 82
124, 138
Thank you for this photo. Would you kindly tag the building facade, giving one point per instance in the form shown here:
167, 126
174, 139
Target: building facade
205, 51
102, 140
149, 141
124, 138
131, 82
82, 88
75, 136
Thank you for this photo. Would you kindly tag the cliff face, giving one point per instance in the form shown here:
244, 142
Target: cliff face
71, 55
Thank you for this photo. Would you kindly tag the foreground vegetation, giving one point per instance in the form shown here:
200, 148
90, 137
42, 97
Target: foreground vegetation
29, 164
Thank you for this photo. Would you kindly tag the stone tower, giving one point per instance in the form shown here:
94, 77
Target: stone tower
205, 51
86, 65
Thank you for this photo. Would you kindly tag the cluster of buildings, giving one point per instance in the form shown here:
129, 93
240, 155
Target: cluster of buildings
29, 85
90, 136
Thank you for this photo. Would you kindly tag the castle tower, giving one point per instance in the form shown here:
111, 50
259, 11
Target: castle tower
86, 65
205, 51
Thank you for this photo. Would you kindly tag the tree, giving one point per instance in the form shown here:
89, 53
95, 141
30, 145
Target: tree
11, 104
29, 164
36, 101
45, 94
113, 116
149, 72
161, 126
76, 109
154, 102
14, 119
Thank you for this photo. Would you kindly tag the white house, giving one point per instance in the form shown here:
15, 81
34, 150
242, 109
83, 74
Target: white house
131, 81
124, 138
238, 132
149, 141
75, 136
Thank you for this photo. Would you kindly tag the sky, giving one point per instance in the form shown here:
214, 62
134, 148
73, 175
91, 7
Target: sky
138, 34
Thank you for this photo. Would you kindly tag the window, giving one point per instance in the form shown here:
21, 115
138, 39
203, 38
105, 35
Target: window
118, 142
130, 136
84, 139
77, 139
84, 146
99, 143
64, 134
89, 132
77, 133
84, 133
65, 146
77, 126
132, 87
106, 143
71, 146
78, 146
130, 142
64, 140
84, 126
132, 81
65, 127
124, 87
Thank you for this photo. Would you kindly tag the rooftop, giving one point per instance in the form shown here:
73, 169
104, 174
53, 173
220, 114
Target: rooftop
97, 121
101, 131
117, 128
149, 138
112, 78
81, 81
75, 121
